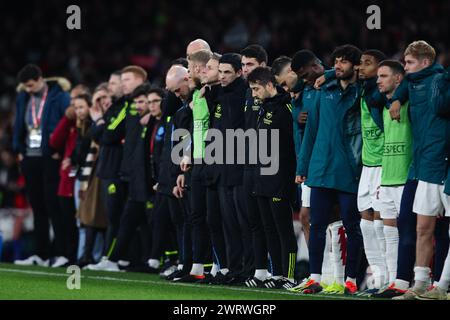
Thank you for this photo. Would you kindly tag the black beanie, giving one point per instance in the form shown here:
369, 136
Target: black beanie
302, 58
232, 58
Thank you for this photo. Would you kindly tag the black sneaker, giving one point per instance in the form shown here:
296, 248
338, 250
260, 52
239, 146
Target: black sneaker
236, 280
189, 278
280, 283
220, 279
389, 293
254, 282
177, 274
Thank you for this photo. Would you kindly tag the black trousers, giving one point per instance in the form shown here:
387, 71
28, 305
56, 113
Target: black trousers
255, 222
276, 214
115, 193
133, 216
167, 227
200, 233
41, 185
237, 231
186, 248
215, 225
69, 228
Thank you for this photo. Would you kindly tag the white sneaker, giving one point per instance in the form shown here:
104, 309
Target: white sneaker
59, 262
123, 263
104, 265
33, 260
169, 271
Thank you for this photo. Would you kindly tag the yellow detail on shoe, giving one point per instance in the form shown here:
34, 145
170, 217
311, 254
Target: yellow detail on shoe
149, 205
171, 253
276, 199
334, 288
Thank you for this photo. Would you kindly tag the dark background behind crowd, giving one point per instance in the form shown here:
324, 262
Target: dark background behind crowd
153, 33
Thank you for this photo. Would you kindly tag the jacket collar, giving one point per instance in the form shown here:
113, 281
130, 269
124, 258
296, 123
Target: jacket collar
282, 97
419, 75
238, 82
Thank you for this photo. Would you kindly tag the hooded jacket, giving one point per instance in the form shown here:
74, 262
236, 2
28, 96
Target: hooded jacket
58, 99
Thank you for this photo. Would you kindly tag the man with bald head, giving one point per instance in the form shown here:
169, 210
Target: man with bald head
197, 45
177, 81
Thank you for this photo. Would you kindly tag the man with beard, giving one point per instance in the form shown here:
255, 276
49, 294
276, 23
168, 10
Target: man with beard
332, 167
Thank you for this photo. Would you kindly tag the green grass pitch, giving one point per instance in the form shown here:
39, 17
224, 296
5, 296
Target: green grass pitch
39, 283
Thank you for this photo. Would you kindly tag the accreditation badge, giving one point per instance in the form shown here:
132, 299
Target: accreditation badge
35, 138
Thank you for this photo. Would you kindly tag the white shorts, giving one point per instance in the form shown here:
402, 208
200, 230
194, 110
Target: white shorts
430, 200
367, 190
390, 199
306, 196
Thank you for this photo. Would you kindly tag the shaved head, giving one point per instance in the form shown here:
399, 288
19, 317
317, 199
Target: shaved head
196, 45
177, 81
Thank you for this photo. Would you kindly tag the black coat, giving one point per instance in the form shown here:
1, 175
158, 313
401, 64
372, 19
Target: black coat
170, 105
232, 101
111, 143
275, 113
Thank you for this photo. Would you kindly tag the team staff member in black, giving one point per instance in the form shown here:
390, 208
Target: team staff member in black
254, 56
275, 192
109, 160
126, 129
237, 229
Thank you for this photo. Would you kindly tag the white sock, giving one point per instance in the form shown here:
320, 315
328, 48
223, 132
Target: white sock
381, 237
379, 230
351, 280
373, 252
180, 267
421, 277
444, 281
401, 284
214, 269
261, 274
316, 277
391, 234
224, 271
327, 268
197, 269
153, 263
337, 237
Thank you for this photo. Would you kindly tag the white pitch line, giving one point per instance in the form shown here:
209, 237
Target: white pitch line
43, 273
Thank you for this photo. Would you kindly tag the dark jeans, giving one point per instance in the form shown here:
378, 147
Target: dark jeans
322, 203
41, 185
